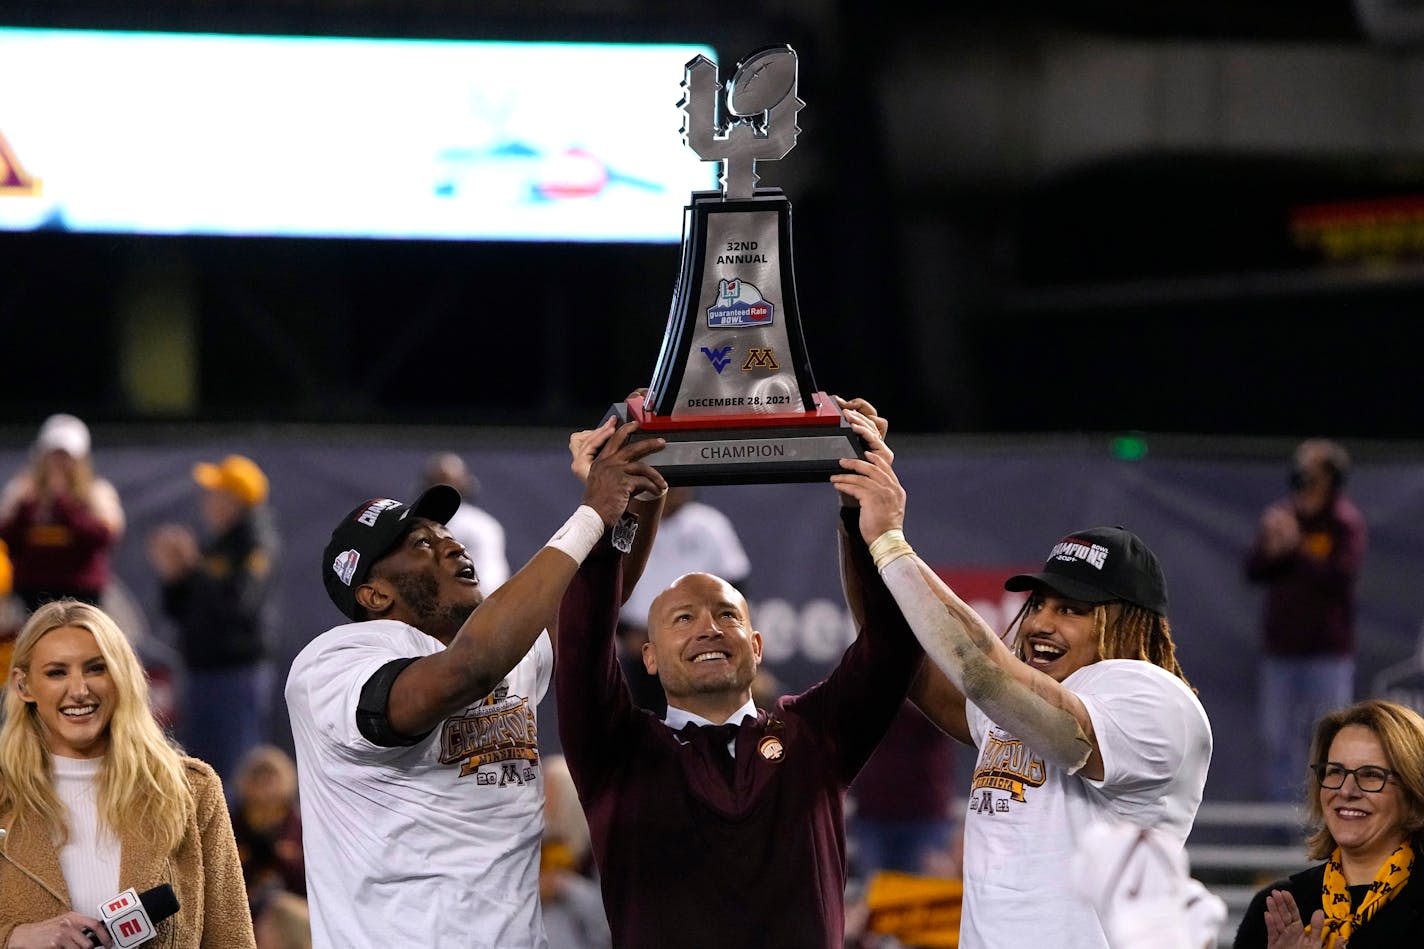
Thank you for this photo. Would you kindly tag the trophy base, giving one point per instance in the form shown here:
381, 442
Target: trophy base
769, 448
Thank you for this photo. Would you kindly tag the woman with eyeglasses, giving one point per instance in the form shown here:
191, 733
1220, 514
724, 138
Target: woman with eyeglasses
1368, 812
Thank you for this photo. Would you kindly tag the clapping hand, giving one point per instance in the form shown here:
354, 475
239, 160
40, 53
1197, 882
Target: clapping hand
1284, 930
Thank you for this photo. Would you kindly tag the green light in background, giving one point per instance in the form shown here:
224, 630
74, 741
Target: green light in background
1131, 447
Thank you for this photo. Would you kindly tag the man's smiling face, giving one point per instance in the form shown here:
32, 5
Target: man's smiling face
701, 642
1058, 635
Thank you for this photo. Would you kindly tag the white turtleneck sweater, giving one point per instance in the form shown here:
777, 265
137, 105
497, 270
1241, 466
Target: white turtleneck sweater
90, 858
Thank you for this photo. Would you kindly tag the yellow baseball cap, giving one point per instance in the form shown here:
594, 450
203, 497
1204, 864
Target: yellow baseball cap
7, 572
236, 474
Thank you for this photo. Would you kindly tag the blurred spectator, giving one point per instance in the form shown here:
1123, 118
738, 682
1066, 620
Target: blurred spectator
282, 920
947, 863
60, 519
267, 822
766, 688
10, 619
219, 598
900, 824
916, 907
692, 537
571, 901
478, 530
1307, 553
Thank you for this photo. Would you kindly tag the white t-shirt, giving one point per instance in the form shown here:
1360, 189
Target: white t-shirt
1025, 817
696, 538
434, 844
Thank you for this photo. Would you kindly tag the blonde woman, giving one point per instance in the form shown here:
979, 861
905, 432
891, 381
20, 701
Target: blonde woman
93, 799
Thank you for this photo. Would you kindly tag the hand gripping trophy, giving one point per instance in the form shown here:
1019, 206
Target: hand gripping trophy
732, 392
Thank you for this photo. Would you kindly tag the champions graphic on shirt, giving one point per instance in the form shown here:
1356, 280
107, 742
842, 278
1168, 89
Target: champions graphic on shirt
499, 729
1005, 764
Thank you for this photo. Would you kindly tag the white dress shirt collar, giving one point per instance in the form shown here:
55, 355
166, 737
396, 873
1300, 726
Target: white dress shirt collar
676, 718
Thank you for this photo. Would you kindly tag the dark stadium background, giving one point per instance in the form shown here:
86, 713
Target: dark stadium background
959, 258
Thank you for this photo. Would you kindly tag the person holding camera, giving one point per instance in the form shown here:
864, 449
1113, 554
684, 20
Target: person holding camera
1307, 554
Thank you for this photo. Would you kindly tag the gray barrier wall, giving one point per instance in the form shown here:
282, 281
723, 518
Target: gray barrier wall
978, 510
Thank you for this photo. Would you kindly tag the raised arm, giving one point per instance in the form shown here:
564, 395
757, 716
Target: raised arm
1276, 544
850, 580
934, 694
646, 506
974, 661
592, 698
498, 634
857, 702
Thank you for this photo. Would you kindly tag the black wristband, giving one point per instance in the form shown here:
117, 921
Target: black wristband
372, 708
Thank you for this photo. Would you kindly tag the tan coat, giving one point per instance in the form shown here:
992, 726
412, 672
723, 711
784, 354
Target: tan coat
204, 873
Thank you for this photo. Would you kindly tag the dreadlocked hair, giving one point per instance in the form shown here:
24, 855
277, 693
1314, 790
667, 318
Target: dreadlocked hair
1124, 631
1138, 634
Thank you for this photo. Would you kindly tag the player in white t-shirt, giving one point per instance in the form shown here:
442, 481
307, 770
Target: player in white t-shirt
417, 749
1087, 718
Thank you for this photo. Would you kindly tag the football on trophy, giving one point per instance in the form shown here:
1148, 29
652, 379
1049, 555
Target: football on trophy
761, 81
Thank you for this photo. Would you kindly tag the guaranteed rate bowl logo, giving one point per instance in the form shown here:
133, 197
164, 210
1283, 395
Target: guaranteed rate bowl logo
739, 304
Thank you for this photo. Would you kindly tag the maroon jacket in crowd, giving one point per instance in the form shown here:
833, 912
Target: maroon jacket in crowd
63, 551
1310, 592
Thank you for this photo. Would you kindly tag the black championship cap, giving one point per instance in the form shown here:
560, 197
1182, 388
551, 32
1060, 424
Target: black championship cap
1104, 563
368, 532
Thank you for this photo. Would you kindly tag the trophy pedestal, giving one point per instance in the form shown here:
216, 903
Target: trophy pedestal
763, 448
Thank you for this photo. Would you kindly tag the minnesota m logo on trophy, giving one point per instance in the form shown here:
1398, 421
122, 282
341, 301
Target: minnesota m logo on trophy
735, 303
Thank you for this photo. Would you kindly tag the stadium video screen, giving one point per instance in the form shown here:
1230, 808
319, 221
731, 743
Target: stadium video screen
207, 134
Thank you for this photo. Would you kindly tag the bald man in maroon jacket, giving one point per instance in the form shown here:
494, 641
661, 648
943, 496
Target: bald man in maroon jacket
721, 825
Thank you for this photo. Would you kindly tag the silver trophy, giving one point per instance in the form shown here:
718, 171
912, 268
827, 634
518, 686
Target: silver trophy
732, 391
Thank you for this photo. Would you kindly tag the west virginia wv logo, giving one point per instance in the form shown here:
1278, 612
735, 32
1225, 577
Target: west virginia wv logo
718, 357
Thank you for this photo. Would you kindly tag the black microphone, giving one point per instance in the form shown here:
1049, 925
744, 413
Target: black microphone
131, 916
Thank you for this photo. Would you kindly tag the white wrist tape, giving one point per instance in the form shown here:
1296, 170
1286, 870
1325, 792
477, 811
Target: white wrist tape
579, 534
888, 547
